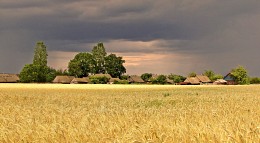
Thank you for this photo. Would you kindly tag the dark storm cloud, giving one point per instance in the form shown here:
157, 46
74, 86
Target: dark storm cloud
210, 29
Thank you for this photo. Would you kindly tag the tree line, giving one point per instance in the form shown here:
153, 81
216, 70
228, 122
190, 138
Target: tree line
84, 63
99, 62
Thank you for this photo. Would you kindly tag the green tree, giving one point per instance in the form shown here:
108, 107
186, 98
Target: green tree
176, 78
81, 65
114, 65
209, 73
192, 74
161, 79
40, 55
99, 80
217, 76
146, 76
37, 71
240, 75
254, 80
33, 73
99, 54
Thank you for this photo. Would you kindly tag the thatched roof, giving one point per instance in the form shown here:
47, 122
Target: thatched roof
63, 79
80, 81
102, 75
203, 78
2, 79
169, 81
114, 79
192, 80
136, 79
9, 78
220, 81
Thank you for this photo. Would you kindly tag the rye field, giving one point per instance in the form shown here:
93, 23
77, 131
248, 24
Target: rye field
129, 113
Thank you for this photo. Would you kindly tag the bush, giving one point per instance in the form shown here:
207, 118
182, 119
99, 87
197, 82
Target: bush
99, 80
161, 79
121, 82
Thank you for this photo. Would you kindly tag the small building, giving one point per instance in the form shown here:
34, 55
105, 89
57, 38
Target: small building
9, 78
220, 82
84, 80
192, 81
63, 79
169, 81
102, 75
113, 80
203, 79
230, 79
135, 79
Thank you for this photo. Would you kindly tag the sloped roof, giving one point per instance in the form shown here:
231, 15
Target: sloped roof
102, 75
203, 78
2, 79
63, 79
114, 79
220, 81
136, 79
229, 77
80, 80
192, 80
9, 78
169, 81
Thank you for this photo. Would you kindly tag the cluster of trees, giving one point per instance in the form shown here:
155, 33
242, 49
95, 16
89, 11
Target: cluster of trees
96, 62
162, 79
83, 64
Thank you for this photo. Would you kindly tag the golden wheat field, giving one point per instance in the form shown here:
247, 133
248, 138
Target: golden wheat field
129, 113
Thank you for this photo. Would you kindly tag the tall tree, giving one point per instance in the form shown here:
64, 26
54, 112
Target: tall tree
240, 75
40, 55
114, 65
99, 54
81, 65
38, 71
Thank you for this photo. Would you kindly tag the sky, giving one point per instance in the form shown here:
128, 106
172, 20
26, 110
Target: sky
155, 36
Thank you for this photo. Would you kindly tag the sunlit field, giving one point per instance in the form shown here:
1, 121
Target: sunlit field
129, 113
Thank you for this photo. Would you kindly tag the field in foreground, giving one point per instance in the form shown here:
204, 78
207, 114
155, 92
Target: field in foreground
129, 113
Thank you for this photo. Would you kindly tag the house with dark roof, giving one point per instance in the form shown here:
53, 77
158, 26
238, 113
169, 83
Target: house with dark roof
230, 79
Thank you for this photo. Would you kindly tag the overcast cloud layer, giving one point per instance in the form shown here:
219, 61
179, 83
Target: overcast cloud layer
167, 36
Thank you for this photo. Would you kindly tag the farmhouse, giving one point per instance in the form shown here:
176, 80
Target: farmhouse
113, 80
9, 78
230, 80
192, 81
63, 79
204, 79
220, 82
135, 79
83, 80
102, 75
199, 79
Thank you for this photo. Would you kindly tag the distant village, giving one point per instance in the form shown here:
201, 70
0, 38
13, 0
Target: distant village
133, 79
97, 67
